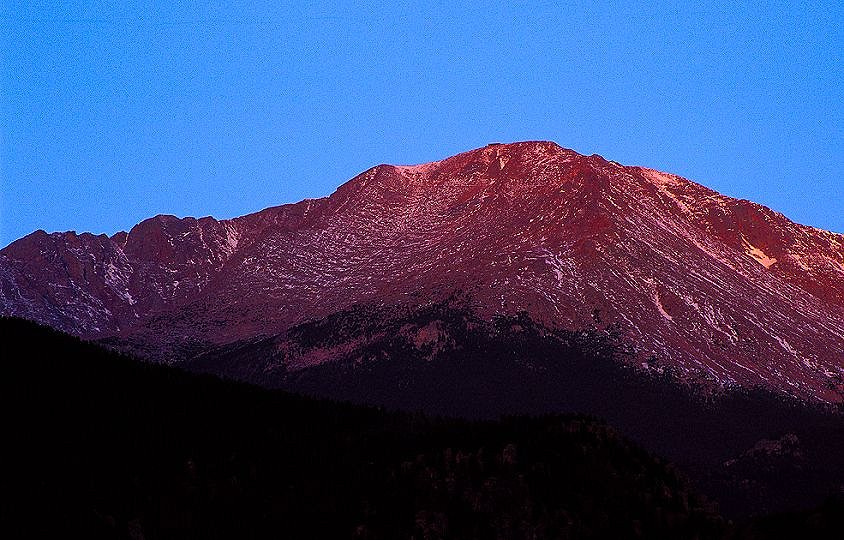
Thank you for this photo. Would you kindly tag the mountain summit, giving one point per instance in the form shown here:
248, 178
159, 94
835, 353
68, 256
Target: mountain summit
722, 290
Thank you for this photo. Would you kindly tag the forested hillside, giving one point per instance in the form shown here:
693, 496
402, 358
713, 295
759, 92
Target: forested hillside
101, 446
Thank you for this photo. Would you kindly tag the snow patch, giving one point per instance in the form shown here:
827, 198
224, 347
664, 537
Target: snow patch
661, 308
417, 169
785, 345
661, 179
757, 254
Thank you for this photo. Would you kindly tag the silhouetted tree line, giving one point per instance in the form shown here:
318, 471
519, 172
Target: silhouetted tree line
473, 368
101, 446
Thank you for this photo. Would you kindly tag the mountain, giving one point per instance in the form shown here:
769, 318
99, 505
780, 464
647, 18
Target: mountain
724, 292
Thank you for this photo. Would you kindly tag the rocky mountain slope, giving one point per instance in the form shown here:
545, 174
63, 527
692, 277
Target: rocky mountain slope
724, 291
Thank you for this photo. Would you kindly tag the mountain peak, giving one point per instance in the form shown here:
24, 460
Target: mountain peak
524, 150
686, 273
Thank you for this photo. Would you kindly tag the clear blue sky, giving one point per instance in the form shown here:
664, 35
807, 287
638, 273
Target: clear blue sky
112, 112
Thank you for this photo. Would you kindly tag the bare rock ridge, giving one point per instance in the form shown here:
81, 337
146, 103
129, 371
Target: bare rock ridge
721, 289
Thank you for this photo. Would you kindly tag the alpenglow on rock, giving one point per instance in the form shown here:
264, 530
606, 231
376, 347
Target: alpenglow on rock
722, 290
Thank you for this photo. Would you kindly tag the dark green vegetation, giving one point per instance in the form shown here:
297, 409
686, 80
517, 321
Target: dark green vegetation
100, 446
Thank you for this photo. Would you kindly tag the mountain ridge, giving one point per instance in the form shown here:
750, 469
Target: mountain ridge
720, 288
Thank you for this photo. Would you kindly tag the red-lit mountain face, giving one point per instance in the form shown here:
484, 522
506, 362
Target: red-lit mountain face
721, 289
